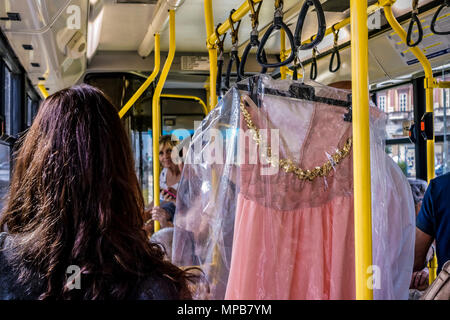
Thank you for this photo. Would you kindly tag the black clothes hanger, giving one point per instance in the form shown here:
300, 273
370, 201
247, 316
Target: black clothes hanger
414, 20
296, 90
254, 42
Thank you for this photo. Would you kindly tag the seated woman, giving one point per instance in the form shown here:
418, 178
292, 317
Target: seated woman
75, 204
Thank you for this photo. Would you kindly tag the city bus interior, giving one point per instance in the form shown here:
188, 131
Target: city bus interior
48, 45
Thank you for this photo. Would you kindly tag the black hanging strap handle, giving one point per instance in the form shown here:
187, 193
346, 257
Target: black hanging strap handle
313, 72
277, 24
414, 20
245, 56
446, 3
321, 23
220, 60
234, 57
254, 42
335, 55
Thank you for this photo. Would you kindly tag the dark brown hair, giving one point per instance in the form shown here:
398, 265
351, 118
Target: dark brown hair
75, 200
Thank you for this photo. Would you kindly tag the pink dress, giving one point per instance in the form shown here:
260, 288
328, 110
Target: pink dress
294, 239
264, 234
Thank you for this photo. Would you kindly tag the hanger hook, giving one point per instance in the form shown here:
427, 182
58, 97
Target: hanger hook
298, 62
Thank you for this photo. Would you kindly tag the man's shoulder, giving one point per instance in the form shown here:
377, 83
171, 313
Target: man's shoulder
442, 181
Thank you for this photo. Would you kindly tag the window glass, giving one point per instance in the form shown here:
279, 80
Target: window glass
441, 99
142, 148
404, 155
397, 103
382, 102
4, 172
7, 99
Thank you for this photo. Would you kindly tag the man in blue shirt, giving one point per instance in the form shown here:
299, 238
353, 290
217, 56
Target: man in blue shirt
433, 223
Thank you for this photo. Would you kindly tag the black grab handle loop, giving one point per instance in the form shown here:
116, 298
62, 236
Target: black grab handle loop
277, 24
414, 20
241, 71
313, 72
336, 55
322, 26
260, 52
233, 58
446, 3
219, 78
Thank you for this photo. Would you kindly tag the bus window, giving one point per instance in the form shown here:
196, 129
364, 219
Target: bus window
441, 100
4, 171
404, 156
398, 104
7, 98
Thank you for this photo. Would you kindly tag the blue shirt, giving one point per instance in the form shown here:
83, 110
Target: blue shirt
434, 216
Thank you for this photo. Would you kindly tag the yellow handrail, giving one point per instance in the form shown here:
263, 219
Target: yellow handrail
339, 25
361, 149
283, 55
429, 85
224, 27
209, 21
442, 84
180, 96
43, 90
156, 111
147, 82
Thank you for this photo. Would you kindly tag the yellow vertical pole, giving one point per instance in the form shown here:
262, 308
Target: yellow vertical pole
147, 82
283, 53
43, 90
156, 111
209, 22
428, 85
361, 149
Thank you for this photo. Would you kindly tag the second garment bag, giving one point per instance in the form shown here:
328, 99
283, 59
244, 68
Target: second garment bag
264, 227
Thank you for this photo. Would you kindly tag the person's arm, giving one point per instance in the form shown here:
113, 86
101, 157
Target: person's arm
423, 243
425, 228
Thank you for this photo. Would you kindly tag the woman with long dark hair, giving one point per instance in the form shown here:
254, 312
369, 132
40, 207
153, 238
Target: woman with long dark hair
75, 205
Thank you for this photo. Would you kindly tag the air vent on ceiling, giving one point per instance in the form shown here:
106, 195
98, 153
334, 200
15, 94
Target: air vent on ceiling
12, 16
41, 79
341, 5
27, 46
35, 64
137, 1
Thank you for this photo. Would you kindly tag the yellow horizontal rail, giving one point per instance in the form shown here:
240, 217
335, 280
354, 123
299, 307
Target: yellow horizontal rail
187, 97
442, 84
339, 25
224, 27
147, 82
43, 90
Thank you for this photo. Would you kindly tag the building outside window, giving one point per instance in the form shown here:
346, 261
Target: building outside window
403, 101
382, 103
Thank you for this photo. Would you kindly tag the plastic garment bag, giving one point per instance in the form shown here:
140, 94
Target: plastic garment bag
265, 202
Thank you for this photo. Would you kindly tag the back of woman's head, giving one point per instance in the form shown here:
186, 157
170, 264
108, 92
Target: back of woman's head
75, 200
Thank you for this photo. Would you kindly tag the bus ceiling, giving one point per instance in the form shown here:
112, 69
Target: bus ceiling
58, 42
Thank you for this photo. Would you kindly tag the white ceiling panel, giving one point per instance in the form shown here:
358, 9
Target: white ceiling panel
124, 26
